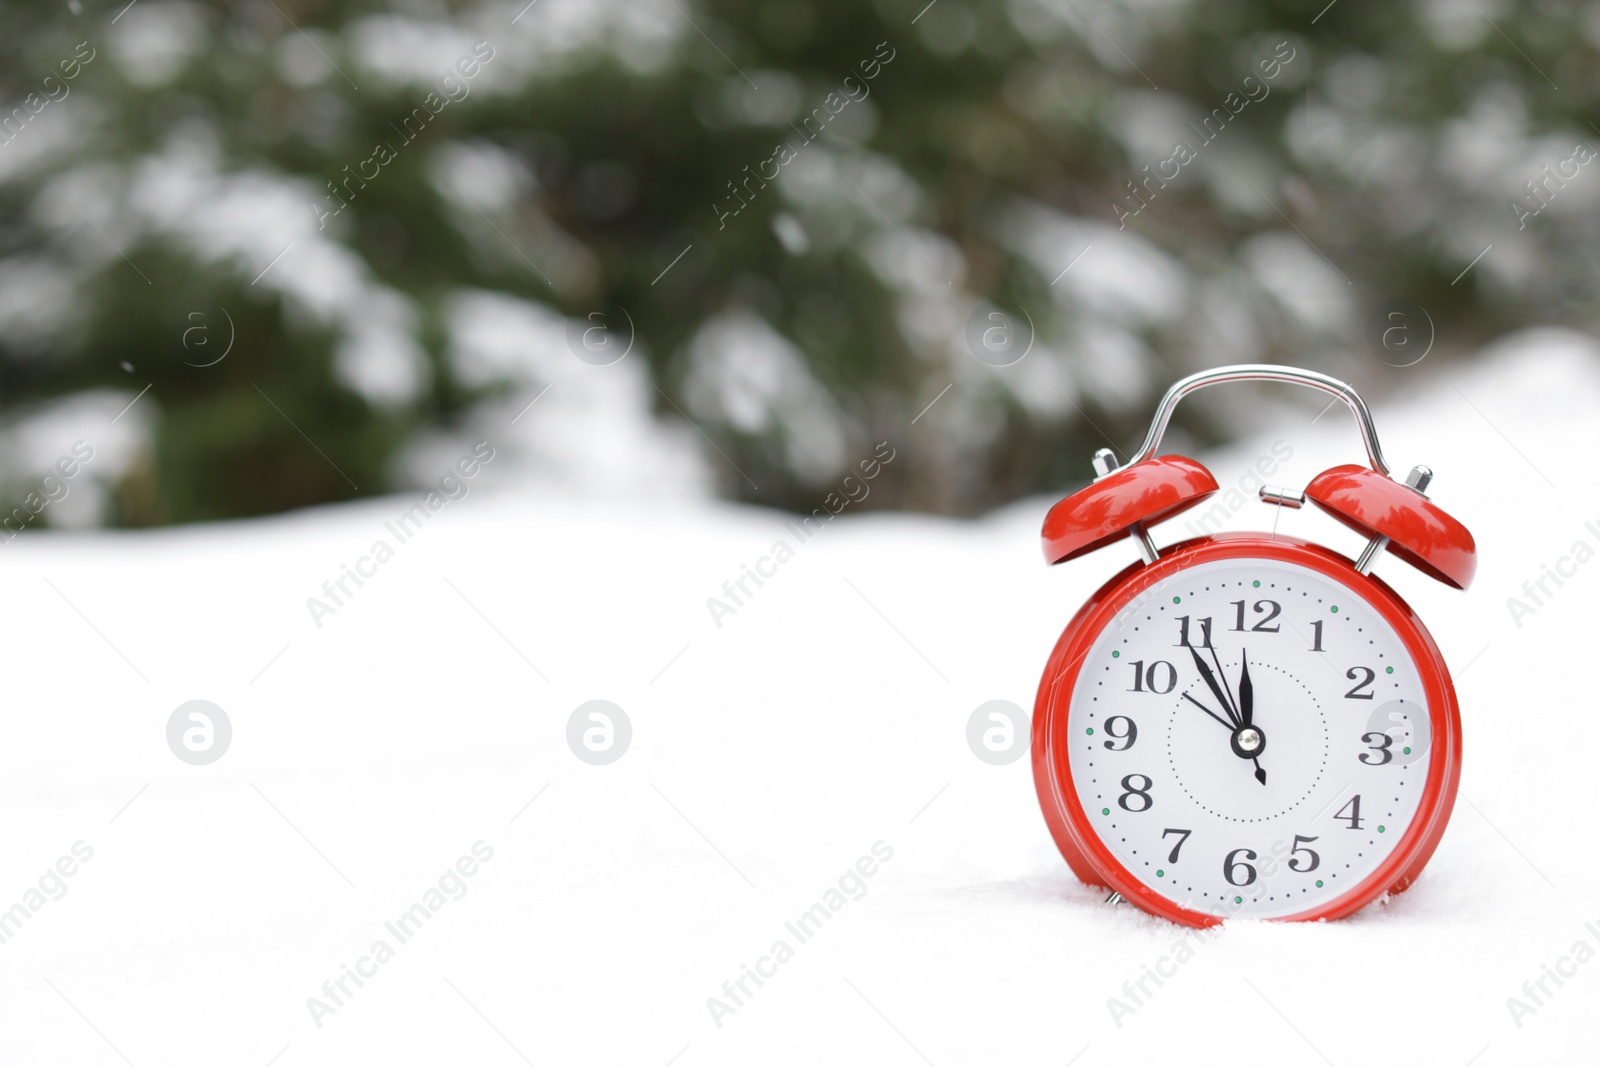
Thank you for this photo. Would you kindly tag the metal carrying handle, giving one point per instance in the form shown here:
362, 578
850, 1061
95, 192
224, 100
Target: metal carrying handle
1263, 372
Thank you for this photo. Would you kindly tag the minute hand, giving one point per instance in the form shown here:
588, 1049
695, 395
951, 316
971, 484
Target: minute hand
1247, 706
1211, 683
1247, 692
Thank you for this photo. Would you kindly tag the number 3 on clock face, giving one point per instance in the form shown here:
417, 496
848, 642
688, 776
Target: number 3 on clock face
1250, 728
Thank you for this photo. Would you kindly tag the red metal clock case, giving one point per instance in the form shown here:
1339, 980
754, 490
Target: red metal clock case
1089, 858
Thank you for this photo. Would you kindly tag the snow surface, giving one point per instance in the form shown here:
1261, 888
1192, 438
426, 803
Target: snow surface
768, 755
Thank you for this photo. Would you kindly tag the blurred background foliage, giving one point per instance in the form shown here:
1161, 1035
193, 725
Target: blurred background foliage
596, 167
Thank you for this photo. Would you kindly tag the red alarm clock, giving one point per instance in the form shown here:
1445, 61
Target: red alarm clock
1243, 724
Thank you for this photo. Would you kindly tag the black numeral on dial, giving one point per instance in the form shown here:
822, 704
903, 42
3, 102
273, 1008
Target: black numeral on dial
1366, 675
1129, 736
1183, 835
1130, 783
1160, 677
1379, 743
1307, 865
1354, 808
1231, 866
1183, 632
1270, 608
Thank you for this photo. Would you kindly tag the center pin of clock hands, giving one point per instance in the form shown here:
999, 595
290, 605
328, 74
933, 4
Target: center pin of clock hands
1246, 740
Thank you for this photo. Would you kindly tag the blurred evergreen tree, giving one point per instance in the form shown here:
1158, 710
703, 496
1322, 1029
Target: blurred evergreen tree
1382, 158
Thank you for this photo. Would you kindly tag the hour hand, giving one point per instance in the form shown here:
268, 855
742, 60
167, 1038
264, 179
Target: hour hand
1211, 683
1208, 711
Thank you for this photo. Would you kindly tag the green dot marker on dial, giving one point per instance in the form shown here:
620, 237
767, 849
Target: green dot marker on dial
1177, 600
1407, 751
1238, 900
1256, 583
1334, 609
1090, 730
1105, 811
1160, 873
1116, 655
1380, 829
1319, 883
1388, 670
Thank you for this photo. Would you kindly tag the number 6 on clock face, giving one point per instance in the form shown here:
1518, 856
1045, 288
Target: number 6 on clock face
1245, 725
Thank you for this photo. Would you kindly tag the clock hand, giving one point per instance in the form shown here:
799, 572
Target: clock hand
1247, 691
1247, 706
1208, 711
1237, 719
1211, 683
1234, 704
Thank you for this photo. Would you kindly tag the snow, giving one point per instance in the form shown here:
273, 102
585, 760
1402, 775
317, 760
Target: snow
828, 713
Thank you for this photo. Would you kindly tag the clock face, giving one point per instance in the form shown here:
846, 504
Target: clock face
1249, 737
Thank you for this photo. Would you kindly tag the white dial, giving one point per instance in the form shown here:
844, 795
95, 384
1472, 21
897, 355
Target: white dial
1249, 738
